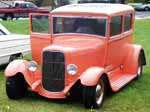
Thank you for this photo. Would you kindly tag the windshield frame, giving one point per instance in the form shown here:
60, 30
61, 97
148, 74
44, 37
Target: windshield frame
83, 16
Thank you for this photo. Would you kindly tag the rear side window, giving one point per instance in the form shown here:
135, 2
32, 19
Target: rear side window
116, 25
40, 23
30, 5
127, 22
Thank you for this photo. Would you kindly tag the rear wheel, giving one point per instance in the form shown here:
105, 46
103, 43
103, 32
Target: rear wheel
8, 17
140, 66
93, 96
15, 56
16, 87
146, 9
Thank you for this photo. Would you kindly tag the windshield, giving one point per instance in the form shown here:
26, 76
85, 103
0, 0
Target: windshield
95, 26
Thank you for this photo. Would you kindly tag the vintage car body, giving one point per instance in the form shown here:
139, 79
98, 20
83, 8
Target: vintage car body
12, 45
71, 57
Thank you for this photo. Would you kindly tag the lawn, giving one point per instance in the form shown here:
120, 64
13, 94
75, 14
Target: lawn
135, 97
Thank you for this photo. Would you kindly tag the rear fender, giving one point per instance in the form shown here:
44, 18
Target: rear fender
143, 57
91, 76
131, 62
21, 66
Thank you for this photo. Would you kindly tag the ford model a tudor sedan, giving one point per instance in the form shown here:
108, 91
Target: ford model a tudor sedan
78, 50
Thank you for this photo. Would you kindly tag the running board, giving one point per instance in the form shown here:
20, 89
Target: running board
122, 81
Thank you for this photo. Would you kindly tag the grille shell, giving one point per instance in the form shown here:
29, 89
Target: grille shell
53, 76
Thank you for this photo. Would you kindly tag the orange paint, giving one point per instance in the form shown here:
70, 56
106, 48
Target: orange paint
94, 55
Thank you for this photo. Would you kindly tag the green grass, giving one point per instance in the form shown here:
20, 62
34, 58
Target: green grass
18, 27
135, 97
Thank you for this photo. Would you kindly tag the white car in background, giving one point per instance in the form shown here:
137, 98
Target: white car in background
12, 46
143, 7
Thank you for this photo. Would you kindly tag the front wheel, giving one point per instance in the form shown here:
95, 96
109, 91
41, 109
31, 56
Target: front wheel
93, 96
16, 87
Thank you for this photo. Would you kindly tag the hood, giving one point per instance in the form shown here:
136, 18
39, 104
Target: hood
82, 51
75, 43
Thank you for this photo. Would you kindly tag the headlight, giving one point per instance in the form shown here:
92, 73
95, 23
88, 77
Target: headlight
72, 69
32, 66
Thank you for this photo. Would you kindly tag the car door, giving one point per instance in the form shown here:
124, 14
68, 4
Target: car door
23, 10
40, 34
120, 38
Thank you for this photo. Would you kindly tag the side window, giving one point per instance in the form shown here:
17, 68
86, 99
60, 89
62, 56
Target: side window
16, 5
40, 24
23, 6
116, 25
30, 5
27, 6
57, 25
127, 22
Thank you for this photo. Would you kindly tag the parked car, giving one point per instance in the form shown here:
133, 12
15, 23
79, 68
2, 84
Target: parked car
86, 50
20, 9
143, 7
12, 46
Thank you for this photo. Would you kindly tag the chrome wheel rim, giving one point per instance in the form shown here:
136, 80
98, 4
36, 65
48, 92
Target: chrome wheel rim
139, 71
9, 18
99, 93
146, 9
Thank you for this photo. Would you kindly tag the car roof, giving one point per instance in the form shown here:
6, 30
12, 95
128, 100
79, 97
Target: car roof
97, 8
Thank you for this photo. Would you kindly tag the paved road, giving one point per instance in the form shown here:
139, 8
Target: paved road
142, 15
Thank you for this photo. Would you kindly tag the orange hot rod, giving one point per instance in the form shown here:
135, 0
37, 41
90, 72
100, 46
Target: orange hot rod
79, 50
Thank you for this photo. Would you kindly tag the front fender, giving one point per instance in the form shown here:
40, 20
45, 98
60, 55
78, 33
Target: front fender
91, 76
16, 66
20, 66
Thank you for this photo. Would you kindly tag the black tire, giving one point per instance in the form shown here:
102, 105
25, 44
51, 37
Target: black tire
146, 8
12, 58
15, 56
140, 66
76, 92
4, 18
89, 94
16, 87
8, 17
